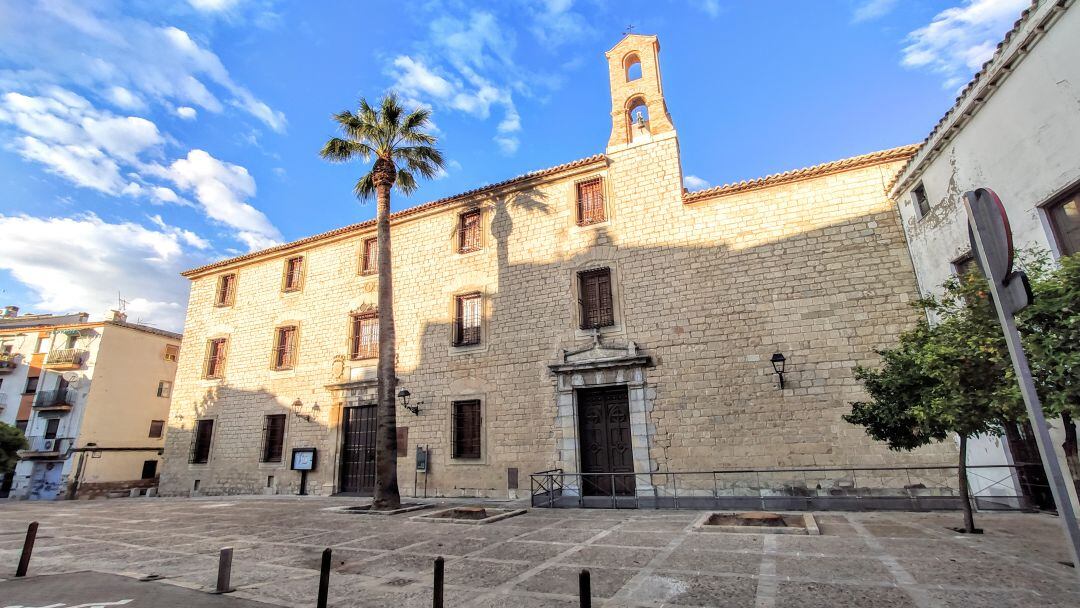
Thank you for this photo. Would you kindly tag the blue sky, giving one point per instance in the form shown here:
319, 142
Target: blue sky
138, 139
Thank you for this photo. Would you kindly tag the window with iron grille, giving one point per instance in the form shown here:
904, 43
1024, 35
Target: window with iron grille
369, 256
364, 336
285, 347
216, 350
467, 428
157, 427
594, 291
164, 388
294, 272
200, 442
172, 352
1065, 219
226, 290
273, 437
467, 316
921, 200
469, 231
590, 202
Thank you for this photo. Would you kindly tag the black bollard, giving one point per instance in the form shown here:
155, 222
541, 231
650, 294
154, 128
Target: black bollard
324, 578
585, 589
27, 549
437, 596
224, 574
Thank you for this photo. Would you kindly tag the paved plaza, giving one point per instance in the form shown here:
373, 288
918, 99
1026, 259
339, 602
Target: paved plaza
637, 558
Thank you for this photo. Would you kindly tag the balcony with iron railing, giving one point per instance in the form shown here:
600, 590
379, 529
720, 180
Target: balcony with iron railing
65, 358
46, 448
61, 400
7, 362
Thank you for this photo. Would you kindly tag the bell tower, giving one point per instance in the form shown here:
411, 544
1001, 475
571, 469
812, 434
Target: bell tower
638, 110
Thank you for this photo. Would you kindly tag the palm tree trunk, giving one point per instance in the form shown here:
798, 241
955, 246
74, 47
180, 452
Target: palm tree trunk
965, 493
386, 486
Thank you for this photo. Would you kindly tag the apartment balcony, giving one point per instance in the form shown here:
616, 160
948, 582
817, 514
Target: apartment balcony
42, 448
65, 359
7, 363
54, 401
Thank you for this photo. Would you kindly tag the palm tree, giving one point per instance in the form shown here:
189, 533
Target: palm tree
401, 150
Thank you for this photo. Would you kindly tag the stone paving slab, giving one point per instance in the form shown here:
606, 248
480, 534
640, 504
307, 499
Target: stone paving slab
640, 559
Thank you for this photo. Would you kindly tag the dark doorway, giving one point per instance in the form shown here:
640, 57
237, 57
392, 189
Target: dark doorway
358, 450
604, 435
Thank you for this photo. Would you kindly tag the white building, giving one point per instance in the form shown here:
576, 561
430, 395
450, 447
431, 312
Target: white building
1016, 130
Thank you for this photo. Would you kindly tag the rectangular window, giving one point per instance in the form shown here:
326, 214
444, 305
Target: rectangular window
922, 202
157, 428
964, 265
595, 292
590, 202
285, 347
369, 256
216, 351
226, 290
467, 429
1065, 219
200, 442
149, 469
467, 315
364, 336
164, 389
294, 272
172, 352
21, 425
469, 232
31, 385
273, 437
52, 425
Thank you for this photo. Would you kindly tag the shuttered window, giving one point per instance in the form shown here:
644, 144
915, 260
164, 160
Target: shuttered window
467, 429
226, 290
285, 347
590, 202
369, 256
467, 315
1065, 218
364, 336
157, 427
595, 293
294, 273
172, 352
922, 202
469, 232
273, 437
216, 350
200, 443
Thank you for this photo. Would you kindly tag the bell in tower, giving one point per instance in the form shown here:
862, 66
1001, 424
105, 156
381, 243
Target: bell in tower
638, 111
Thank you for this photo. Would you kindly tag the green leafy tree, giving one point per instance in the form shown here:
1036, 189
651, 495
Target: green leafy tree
11, 441
952, 376
402, 151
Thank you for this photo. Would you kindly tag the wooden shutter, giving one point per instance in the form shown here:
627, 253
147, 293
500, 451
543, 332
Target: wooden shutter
294, 268
215, 358
156, 428
200, 444
590, 202
369, 257
226, 290
467, 429
469, 232
285, 347
273, 437
597, 309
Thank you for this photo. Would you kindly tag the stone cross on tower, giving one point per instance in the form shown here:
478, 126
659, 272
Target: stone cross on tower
634, 72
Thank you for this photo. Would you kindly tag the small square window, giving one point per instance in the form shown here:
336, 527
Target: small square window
149, 469
1064, 217
922, 202
157, 427
369, 256
590, 202
226, 290
294, 274
469, 232
164, 389
285, 347
172, 352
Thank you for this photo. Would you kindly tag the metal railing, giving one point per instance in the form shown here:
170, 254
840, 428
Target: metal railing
7, 362
784, 489
44, 445
54, 398
66, 356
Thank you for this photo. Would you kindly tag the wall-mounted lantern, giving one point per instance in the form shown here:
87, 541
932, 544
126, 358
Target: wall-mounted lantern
778, 362
404, 395
299, 405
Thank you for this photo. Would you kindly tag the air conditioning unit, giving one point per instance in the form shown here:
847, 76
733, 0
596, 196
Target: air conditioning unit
49, 444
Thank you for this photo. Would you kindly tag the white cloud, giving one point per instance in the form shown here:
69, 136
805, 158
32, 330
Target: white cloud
222, 189
124, 59
709, 7
554, 22
693, 182
84, 166
507, 144
81, 263
960, 39
213, 6
868, 10
415, 79
187, 112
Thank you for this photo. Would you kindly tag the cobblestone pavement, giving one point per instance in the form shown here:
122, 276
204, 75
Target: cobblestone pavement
637, 558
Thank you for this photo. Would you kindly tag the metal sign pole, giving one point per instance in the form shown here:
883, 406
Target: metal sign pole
991, 244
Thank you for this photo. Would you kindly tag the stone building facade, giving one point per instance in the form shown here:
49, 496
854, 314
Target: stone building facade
622, 325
